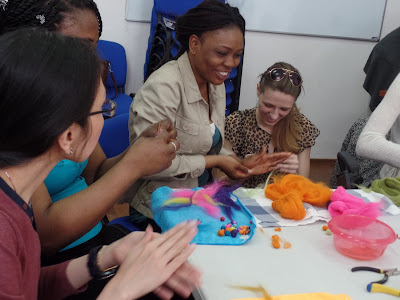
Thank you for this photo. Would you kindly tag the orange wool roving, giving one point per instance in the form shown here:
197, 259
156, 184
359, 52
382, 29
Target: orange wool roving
290, 206
290, 191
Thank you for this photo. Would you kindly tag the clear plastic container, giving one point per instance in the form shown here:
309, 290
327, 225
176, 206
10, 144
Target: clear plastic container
361, 237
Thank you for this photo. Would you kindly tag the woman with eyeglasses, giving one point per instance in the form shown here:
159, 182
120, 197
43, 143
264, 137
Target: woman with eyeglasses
51, 95
275, 125
74, 198
190, 92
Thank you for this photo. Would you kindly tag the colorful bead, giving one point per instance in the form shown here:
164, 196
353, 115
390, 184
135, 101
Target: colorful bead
222, 219
275, 242
234, 222
228, 225
328, 232
287, 245
324, 228
234, 233
223, 227
227, 233
221, 232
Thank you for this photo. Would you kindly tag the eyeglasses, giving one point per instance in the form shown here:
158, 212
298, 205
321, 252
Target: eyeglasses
108, 109
277, 74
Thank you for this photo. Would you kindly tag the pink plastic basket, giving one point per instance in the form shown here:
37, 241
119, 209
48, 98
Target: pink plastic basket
361, 237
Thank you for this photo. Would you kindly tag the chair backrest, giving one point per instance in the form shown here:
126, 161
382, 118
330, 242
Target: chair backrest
350, 169
115, 53
114, 138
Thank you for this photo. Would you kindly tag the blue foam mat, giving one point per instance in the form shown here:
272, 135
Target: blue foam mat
209, 226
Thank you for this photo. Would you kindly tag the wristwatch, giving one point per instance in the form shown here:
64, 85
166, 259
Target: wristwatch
93, 265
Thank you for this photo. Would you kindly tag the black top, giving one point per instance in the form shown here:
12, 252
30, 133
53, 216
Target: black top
382, 67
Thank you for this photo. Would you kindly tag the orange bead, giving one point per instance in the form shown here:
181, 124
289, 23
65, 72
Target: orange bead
221, 232
324, 228
287, 245
278, 229
241, 232
276, 244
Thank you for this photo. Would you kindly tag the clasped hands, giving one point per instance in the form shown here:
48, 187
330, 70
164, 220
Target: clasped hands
263, 162
157, 141
152, 262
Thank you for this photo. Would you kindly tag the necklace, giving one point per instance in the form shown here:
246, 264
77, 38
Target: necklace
9, 178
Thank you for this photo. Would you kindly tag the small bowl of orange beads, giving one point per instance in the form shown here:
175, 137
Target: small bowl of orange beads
361, 237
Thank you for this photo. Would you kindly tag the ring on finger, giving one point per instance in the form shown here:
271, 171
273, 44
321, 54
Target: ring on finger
173, 144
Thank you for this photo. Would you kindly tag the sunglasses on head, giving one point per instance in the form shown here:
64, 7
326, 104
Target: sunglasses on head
277, 74
108, 109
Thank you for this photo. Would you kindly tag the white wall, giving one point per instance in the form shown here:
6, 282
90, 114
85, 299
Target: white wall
332, 69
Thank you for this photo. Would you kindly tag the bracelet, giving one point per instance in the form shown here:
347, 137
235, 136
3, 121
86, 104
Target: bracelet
93, 265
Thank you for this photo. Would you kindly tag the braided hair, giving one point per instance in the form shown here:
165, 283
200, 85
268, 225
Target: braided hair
48, 14
209, 15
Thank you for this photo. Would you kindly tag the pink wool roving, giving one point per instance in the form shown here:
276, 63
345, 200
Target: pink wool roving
343, 203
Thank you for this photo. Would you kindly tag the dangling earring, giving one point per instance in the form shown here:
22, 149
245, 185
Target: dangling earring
70, 152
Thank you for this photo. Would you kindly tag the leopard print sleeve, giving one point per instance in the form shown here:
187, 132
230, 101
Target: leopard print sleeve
233, 129
309, 133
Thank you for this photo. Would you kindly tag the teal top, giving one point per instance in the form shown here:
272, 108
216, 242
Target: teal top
205, 177
65, 180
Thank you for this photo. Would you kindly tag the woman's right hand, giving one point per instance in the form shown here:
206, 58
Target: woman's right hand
263, 162
151, 155
233, 168
154, 263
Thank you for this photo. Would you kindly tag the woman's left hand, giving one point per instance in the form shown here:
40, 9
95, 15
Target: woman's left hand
290, 165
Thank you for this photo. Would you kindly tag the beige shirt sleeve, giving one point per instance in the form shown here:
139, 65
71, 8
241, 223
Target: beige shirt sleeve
159, 99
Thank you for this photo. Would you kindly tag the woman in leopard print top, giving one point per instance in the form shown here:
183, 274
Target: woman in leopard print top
275, 124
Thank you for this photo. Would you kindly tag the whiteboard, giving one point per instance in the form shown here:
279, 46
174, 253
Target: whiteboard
351, 19
138, 10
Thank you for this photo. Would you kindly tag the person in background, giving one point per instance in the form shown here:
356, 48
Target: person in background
190, 92
74, 198
51, 102
274, 125
373, 143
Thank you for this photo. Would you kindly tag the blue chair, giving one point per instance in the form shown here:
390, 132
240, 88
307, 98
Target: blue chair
115, 54
114, 138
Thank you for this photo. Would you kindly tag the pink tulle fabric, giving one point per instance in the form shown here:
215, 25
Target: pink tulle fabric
343, 203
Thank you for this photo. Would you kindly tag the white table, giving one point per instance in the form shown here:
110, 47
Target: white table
312, 265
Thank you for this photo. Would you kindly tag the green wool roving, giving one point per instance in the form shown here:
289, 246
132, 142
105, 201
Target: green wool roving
389, 187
